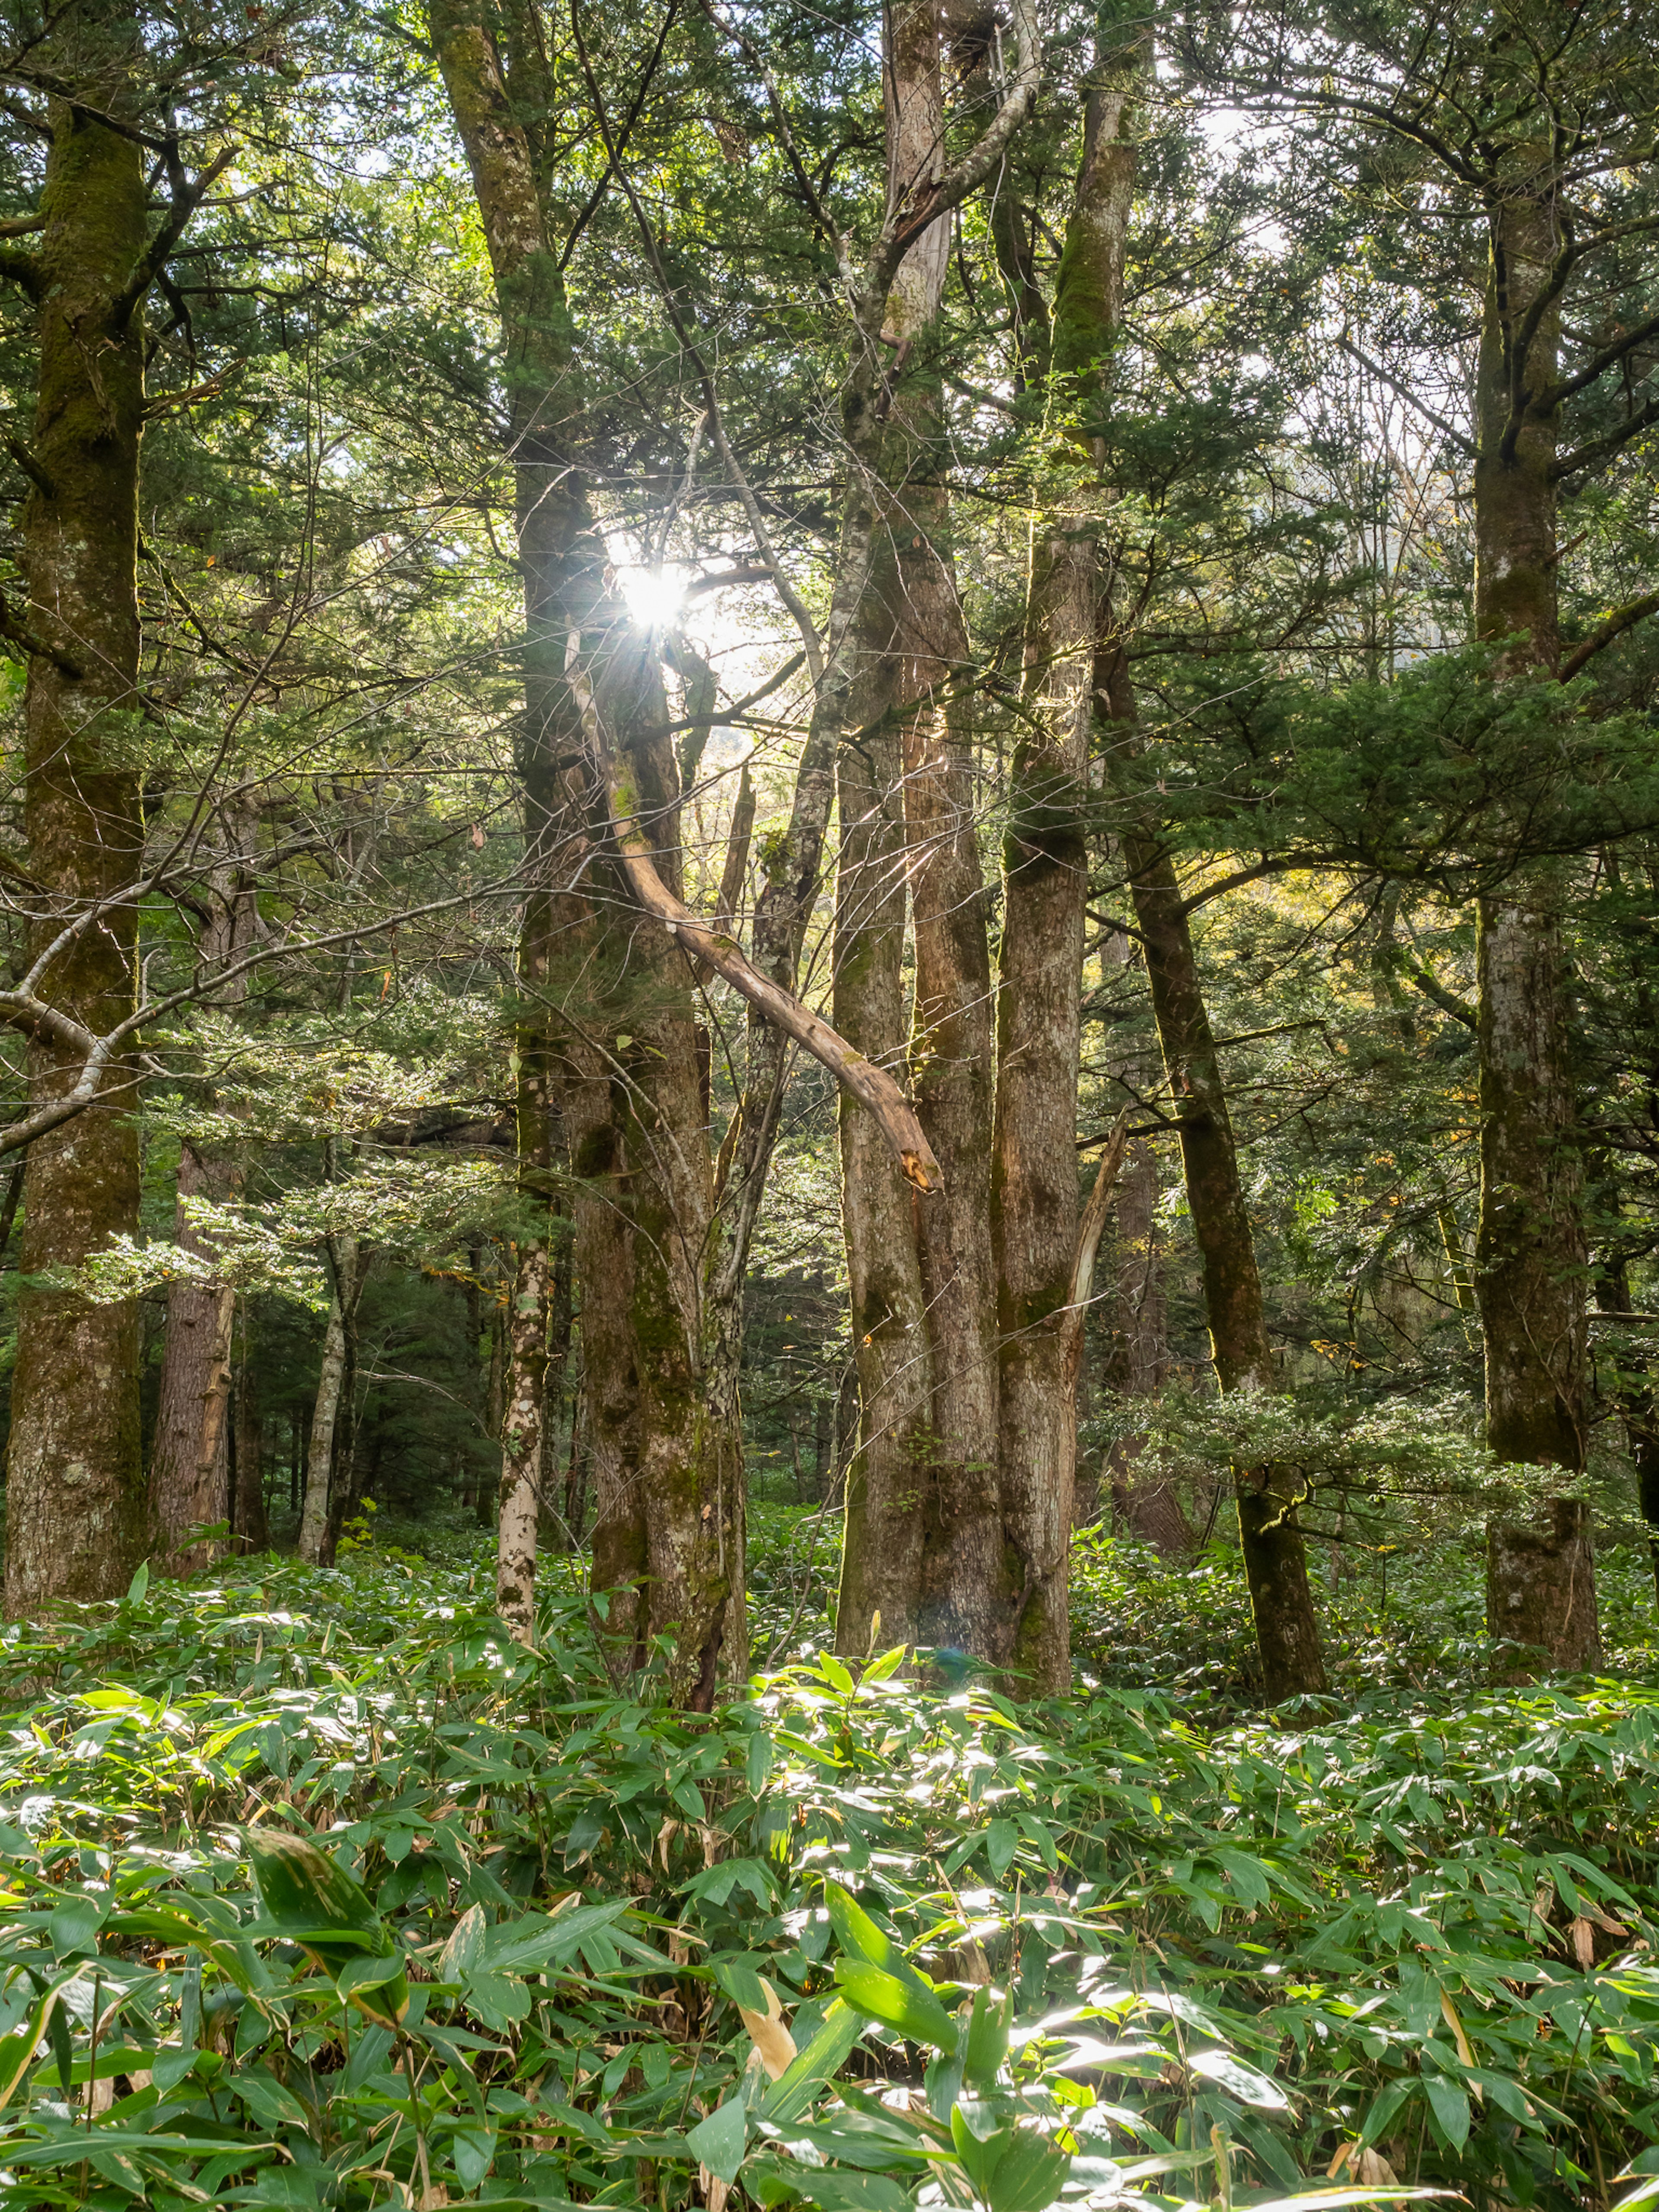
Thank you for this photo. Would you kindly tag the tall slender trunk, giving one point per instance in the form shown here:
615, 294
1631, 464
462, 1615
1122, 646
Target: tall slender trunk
316, 1519
1149, 1507
76, 1522
190, 1457
1045, 890
1275, 1559
1530, 1248
248, 1518
923, 1542
890, 1485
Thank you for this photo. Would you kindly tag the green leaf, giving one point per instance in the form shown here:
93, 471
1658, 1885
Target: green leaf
987, 2038
1450, 2107
1247, 1875
465, 1948
736, 1978
719, 2141
367, 1971
1029, 2175
818, 2063
473, 2150
272, 2104
1386, 2103
916, 2013
857, 1932
1243, 2081
1002, 1842
832, 2189
138, 1585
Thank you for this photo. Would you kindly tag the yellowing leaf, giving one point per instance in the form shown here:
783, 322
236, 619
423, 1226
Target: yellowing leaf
768, 2034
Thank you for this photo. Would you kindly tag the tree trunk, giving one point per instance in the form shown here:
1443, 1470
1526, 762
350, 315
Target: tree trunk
76, 1521
315, 1545
890, 1485
1148, 1507
924, 1543
248, 1517
1275, 1561
1045, 890
190, 1457
671, 1499
1530, 1248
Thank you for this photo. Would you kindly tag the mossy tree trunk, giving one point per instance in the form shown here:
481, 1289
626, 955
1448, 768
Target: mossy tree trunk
1035, 1194
1531, 1254
658, 1458
76, 1515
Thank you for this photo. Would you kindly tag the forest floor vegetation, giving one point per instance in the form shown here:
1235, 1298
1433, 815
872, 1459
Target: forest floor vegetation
320, 1891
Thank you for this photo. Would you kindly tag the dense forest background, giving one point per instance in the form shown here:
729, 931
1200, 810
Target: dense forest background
581, 590
829, 1090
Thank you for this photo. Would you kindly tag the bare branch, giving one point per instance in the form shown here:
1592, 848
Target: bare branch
872, 1087
1620, 620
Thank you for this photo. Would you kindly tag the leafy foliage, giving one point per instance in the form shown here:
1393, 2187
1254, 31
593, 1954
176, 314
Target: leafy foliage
320, 1891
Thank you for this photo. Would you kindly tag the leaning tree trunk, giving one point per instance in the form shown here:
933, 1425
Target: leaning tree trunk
1530, 1250
76, 1521
1275, 1559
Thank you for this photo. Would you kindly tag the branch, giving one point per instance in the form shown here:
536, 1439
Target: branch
899, 234
717, 715
26, 460
1603, 449
22, 267
1447, 1001
873, 1088
1597, 366
14, 626
590, 206
1446, 429
1620, 620
186, 198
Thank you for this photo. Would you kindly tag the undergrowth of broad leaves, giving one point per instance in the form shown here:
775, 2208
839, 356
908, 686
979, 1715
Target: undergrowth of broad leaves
321, 1892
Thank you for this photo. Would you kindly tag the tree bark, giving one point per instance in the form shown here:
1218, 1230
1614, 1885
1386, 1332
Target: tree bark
891, 1483
1530, 1248
76, 1522
248, 1518
923, 1543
